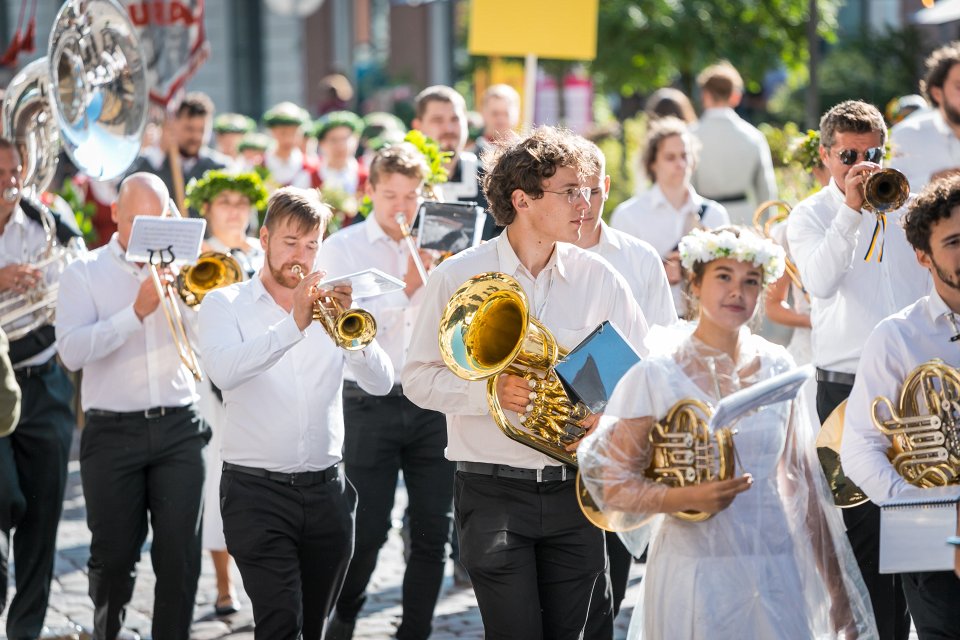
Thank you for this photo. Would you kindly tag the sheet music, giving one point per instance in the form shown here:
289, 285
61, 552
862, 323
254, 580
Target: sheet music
779, 388
366, 284
177, 239
449, 227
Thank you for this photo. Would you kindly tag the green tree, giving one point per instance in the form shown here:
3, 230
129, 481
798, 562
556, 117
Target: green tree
647, 44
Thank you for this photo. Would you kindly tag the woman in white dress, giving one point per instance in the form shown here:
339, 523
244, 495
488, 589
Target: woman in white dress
225, 200
773, 561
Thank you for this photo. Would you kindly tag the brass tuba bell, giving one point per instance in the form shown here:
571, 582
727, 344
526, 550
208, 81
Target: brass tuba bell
885, 190
762, 227
487, 330
924, 428
350, 329
684, 454
212, 270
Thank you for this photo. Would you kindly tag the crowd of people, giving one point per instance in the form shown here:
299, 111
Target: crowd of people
284, 456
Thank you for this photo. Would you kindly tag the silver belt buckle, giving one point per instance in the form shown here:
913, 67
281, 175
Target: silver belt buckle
539, 475
563, 472
154, 412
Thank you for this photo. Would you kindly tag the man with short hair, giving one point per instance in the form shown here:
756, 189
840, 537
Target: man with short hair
188, 131
338, 135
500, 108
286, 161
388, 435
923, 331
927, 145
735, 167
288, 509
141, 451
33, 459
858, 268
532, 555
441, 114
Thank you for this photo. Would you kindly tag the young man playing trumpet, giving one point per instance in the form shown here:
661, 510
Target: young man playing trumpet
389, 434
858, 268
288, 510
531, 554
141, 453
921, 332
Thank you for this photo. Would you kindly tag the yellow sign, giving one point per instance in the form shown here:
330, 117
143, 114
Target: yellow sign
552, 29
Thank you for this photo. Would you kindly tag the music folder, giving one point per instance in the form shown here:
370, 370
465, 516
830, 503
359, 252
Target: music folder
449, 227
593, 368
915, 530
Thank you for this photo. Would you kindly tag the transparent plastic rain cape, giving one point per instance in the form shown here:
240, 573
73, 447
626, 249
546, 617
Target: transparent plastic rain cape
776, 563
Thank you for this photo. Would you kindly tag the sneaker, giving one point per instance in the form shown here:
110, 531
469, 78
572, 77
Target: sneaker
338, 629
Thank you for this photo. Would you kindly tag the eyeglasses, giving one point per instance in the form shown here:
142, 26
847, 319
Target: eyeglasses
573, 193
849, 156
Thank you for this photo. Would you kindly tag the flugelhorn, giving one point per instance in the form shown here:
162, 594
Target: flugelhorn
685, 453
350, 329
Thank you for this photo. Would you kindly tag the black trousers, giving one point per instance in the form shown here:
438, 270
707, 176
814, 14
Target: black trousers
33, 475
863, 531
386, 435
934, 601
132, 469
532, 556
609, 591
292, 545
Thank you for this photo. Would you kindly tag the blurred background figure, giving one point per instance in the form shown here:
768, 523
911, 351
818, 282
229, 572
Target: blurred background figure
229, 129
286, 161
669, 102
336, 93
500, 108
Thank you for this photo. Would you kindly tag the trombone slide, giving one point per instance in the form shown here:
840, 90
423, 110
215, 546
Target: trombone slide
171, 310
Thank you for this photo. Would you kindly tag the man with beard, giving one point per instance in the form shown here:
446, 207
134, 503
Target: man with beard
188, 131
441, 114
858, 268
917, 334
288, 510
927, 146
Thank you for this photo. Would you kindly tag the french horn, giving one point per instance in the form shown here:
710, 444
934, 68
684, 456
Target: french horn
763, 226
684, 453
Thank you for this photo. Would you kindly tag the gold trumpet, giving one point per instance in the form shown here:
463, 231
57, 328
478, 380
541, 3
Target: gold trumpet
763, 227
684, 454
885, 190
350, 329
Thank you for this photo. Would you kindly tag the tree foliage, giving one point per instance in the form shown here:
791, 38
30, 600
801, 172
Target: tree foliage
647, 44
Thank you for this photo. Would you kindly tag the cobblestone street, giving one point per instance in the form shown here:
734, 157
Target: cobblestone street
456, 615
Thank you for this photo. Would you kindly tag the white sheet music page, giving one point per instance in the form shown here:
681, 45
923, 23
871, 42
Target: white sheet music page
167, 240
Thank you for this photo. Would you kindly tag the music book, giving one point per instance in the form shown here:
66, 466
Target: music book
166, 240
449, 227
779, 388
915, 528
368, 283
593, 368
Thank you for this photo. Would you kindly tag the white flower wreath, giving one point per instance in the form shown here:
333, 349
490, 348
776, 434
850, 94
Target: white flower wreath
704, 246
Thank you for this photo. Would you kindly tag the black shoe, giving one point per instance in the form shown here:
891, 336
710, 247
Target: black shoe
338, 629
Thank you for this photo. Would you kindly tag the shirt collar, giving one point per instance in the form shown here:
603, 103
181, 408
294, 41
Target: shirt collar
835, 191
658, 198
120, 254
718, 112
257, 290
936, 307
608, 238
375, 232
510, 263
18, 217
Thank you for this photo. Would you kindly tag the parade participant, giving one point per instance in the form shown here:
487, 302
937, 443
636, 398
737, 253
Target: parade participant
288, 509
770, 561
141, 453
338, 135
858, 268
388, 435
286, 161
532, 556
229, 129
921, 332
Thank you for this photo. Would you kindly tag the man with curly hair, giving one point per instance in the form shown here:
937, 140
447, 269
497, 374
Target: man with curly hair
531, 554
927, 145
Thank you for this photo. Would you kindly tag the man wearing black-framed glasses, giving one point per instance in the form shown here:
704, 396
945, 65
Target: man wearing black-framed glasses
858, 269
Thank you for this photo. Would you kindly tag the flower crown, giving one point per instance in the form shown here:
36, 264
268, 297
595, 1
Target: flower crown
706, 246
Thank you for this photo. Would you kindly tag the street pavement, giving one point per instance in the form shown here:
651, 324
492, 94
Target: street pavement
456, 614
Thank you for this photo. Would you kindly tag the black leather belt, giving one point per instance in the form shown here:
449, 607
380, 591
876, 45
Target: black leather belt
352, 390
148, 414
36, 370
547, 474
835, 377
302, 479
737, 197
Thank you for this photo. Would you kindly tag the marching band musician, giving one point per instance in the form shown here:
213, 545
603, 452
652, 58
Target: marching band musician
387, 434
858, 268
141, 452
33, 460
531, 554
640, 265
288, 510
925, 330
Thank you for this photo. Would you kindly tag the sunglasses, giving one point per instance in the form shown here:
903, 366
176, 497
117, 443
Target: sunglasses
849, 156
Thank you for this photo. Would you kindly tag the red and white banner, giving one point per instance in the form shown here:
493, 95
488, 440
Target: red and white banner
174, 42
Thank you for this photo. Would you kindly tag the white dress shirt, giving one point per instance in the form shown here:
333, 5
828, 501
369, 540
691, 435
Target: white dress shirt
922, 146
734, 160
903, 341
22, 242
281, 386
128, 365
367, 246
642, 268
346, 179
571, 296
848, 295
